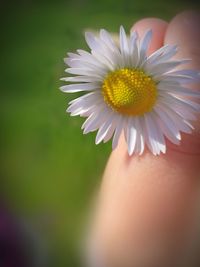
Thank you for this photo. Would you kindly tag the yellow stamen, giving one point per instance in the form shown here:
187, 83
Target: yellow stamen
129, 91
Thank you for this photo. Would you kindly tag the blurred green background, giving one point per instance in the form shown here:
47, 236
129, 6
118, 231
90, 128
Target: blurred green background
49, 170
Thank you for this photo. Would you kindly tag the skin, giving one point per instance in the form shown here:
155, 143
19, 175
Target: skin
148, 206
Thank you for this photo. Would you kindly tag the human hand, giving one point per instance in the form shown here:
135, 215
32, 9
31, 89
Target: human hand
148, 205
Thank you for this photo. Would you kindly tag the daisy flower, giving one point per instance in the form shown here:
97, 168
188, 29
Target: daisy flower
145, 97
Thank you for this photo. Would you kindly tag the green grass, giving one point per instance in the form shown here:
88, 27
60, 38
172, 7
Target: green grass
49, 169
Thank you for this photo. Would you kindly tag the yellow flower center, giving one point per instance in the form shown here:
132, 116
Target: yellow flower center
129, 91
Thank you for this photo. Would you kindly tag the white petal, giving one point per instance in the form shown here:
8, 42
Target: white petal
186, 72
80, 111
118, 131
155, 136
114, 50
82, 108
69, 62
84, 71
89, 97
106, 37
92, 123
182, 124
78, 87
170, 125
167, 54
123, 41
164, 67
79, 63
95, 120
179, 91
176, 119
85, 61
185, 113
104, 128
92, 41
173, 99
191, 103
71, 56
85, 101
168, 132
100, 51
167, 77
164, 51
111, 130
104, 60
82, 79
141, 135
134, 49
144, 44
150, 140
124, 46
131, 135
90, 58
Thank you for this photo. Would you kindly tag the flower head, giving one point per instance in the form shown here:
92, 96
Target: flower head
128, 91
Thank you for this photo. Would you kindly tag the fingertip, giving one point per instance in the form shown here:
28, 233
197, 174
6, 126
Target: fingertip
158, 27
183, 30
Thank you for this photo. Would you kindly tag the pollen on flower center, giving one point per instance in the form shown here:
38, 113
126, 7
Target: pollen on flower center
129, 91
